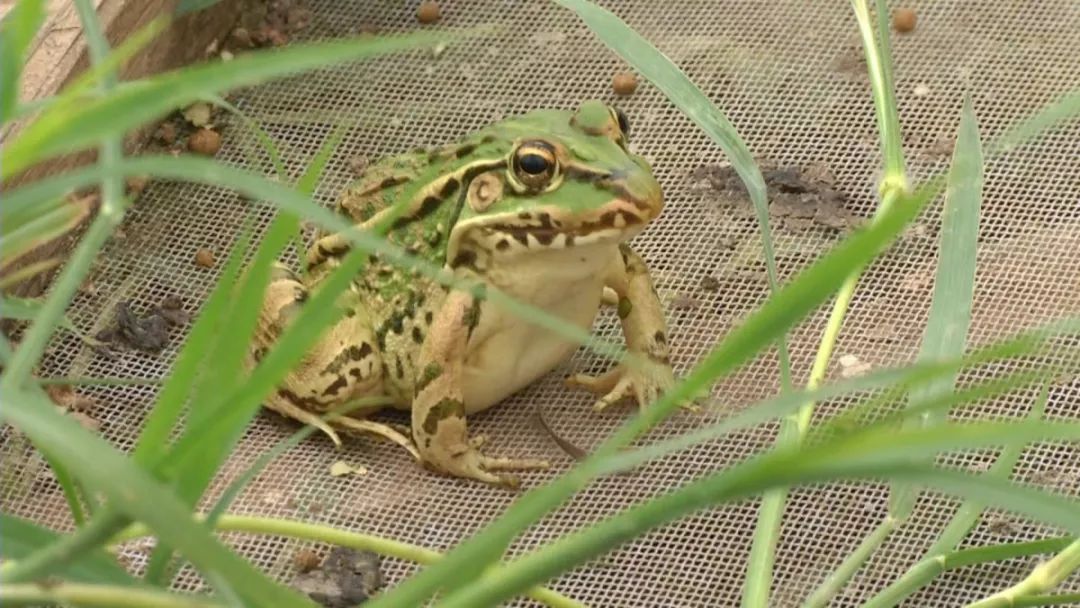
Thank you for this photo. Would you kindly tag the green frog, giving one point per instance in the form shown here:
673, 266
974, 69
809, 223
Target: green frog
539, 206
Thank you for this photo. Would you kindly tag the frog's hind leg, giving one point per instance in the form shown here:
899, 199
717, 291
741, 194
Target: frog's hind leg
342, 366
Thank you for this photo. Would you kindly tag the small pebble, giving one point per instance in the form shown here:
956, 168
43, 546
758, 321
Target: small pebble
921, 90
904, 19
166, 133
306, 560
241, 38
624, 83
204, 258
276, 37
205, 141
428, 12
136, 184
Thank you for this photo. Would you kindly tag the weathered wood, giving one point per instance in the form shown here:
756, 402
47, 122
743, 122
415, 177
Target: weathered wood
59, 53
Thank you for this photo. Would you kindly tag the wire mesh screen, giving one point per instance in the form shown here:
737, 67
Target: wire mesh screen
790, 76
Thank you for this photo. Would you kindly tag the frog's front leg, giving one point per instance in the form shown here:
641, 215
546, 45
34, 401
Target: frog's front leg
438, 409
645, 331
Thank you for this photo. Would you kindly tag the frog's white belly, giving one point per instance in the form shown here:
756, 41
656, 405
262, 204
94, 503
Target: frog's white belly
507, 353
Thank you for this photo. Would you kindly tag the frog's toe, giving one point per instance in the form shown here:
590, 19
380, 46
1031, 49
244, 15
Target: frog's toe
515, 464
595, 384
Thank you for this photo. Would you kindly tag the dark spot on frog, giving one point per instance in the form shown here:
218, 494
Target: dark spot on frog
339, 383
544, 237
417, 335
350, 354
464, 258
502, 245
429, 316
624, 307
472, 315
307, 403
393, 180
465, 150
399, 367
431, 372
569, 240
447, 408
525, 215
397, 323
659, 338
449, 188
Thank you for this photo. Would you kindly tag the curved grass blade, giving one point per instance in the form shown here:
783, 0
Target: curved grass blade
133, 491
153, 441
21, 538
205, 171
74, 123
222, 366
965, 518
685, 95
865, 454
945, 335
16, 31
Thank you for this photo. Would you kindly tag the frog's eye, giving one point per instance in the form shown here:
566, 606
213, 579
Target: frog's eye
535, 164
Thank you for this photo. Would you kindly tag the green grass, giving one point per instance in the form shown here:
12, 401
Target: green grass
154, 491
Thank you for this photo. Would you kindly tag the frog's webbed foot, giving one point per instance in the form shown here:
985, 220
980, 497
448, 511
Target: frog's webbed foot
646, 383
473, 463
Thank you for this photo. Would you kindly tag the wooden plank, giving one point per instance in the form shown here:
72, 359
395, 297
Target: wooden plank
59, 53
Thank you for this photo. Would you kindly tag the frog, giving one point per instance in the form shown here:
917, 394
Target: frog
540, 206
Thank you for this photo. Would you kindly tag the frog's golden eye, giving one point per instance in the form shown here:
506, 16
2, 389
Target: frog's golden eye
535, 164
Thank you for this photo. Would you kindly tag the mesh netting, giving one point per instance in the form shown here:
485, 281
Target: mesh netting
791, 79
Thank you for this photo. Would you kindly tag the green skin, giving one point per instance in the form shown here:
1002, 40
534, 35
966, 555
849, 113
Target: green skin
539, 206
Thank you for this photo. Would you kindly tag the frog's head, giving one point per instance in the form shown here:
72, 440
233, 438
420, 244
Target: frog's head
554, 179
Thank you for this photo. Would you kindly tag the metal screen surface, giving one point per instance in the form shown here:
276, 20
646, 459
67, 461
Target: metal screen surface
790, 76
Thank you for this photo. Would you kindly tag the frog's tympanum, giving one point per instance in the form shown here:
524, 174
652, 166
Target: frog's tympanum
539, 206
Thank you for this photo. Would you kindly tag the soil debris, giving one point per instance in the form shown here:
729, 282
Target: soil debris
306, 560
346, 578
149, 333
800, 198
74, 405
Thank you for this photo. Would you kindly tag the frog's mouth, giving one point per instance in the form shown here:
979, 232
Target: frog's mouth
546, 228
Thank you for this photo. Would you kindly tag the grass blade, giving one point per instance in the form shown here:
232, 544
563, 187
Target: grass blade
1044, 578
954, 282
134, 491
99, 596
946, 330
937, 557
223, 361
21, 233
74, 123
205, 171
16, 31
153, 441
864, 454
21, 538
